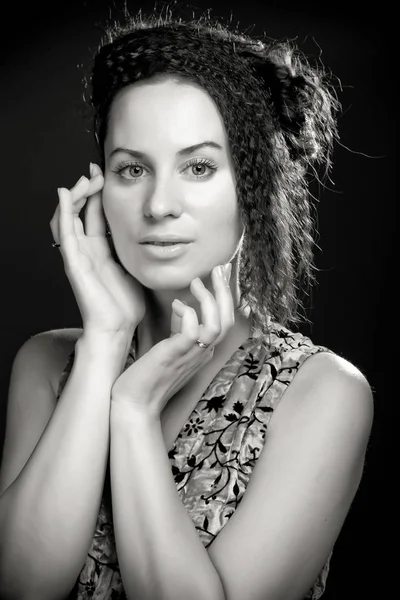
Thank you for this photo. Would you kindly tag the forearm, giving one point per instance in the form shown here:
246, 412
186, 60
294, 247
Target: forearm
49, 513
160, 554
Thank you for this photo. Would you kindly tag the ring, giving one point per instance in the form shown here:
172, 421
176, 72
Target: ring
55, 245
202, 344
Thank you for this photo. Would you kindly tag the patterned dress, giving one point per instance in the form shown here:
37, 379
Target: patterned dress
215, 452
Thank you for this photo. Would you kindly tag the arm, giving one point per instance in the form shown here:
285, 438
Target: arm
48, 513
160, 553
302, 486
305, 478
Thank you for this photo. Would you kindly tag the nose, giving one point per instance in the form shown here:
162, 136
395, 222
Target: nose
163, 200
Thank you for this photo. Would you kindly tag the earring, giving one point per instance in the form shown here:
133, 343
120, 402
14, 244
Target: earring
108, 231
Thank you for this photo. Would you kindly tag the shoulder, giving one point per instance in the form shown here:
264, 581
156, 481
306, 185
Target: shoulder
331, 395
318, 380
47, 352
306, 476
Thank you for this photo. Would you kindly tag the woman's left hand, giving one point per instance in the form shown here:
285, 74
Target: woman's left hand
151, 381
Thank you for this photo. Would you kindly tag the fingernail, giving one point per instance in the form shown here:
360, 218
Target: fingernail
227, 272
198, 281
94, 169
179, 302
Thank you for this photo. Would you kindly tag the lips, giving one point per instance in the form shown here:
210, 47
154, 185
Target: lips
165, 250
164, 243
164, 238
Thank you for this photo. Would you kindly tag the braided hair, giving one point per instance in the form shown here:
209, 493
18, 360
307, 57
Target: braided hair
279, 116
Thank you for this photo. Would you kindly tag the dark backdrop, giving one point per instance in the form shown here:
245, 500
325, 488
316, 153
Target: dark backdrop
44, 145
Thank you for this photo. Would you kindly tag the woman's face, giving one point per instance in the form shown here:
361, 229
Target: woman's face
157, 186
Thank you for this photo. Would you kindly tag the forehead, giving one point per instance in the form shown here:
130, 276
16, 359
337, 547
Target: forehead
159, 112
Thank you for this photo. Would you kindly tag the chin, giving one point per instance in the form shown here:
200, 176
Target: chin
164, 281
164, 278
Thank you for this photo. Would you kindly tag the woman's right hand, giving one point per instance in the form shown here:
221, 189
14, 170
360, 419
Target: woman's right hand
110, 300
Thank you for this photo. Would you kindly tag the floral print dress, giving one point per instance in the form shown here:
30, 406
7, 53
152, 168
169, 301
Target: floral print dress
215, 452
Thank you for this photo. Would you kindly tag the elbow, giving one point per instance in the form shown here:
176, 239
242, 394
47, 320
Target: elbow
11, 586
17, 584
23, 578
14, 591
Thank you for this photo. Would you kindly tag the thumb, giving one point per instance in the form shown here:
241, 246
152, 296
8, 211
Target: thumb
175, 324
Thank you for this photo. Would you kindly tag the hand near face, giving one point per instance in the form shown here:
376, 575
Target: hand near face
110, 300
151, 381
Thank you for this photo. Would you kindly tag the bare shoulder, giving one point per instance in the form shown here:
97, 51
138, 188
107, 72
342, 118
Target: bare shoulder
333, 393
49, 351
35, 376
306, 476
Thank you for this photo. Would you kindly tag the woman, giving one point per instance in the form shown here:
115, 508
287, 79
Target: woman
184, 443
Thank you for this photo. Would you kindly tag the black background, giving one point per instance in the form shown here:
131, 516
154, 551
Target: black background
44, 145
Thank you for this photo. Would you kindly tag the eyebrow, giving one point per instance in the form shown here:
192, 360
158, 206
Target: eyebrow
183, 152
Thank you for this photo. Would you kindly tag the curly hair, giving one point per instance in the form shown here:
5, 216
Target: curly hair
279, 116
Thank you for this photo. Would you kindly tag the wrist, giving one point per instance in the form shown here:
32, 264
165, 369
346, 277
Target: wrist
128, 412
110, 347
101, 340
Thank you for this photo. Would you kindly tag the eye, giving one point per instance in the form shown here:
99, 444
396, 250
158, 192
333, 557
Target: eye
200, 164
132, 171
129, 170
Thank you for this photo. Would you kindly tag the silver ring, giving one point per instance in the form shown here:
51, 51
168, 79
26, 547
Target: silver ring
55, 245
202, 344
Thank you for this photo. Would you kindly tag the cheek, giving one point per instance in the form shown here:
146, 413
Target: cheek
118, 206
220, 216
222, 234
112, 193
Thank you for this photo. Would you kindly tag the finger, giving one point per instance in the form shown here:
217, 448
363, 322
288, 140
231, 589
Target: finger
83, 188
54, 225
210, 327
176, 318
189, 327
224, 300
95, 169
95, 224
77, 199
70, 226
79, 193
